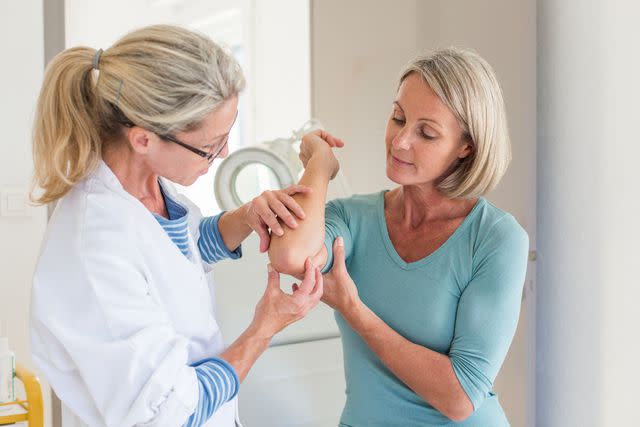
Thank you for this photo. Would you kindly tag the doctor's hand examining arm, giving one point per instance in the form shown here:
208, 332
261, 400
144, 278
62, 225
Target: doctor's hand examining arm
265, 215
274, 312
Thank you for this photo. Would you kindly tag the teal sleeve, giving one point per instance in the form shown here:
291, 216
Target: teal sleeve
336, 224
489, 308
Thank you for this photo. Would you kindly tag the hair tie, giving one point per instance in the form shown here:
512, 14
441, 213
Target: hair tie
95, 64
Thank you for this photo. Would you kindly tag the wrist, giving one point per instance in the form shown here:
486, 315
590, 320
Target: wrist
260, 332
242, 213
358, 316
322, 164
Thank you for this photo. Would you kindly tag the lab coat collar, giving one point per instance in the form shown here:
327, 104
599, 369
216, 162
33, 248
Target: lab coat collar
104, 174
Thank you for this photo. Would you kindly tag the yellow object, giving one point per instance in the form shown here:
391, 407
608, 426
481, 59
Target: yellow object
33, 405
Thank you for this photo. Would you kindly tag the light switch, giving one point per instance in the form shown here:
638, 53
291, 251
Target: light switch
13, 203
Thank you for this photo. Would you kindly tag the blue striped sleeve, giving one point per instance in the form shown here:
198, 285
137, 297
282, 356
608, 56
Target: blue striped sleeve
211, 246
218, 383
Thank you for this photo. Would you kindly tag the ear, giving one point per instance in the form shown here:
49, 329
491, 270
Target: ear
466, 149
139, 139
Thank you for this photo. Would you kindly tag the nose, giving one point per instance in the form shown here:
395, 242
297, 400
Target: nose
401, 141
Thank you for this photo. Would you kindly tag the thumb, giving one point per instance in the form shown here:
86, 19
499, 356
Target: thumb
265, 241
265, 237
273, 281
338, 255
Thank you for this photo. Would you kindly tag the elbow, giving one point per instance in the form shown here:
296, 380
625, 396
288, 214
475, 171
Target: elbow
458, 409
287, 260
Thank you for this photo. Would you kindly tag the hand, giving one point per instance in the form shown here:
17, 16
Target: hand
340, 292
276, 309
263, 212
319, 143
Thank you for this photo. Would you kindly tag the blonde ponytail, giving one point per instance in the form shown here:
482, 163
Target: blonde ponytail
66, 143
163, 78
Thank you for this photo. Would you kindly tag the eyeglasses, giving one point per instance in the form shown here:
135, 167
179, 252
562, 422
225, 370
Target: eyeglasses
207, 155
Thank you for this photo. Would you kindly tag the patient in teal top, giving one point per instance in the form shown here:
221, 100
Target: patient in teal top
426, 279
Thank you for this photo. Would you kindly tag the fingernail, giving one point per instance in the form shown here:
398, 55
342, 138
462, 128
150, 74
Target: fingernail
340, 241
280, 232
269, 268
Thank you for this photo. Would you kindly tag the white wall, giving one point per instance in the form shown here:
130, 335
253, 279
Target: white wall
22, 47
588, 204
359, 48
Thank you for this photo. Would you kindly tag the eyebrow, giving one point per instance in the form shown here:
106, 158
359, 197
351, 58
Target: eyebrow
421, 118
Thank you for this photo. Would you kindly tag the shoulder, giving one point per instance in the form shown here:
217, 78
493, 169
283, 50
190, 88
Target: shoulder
358, 203
499, 230
93, 211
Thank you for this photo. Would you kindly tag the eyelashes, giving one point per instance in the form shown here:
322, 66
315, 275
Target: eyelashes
401, 122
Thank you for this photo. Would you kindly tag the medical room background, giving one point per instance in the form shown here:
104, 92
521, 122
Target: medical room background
569, 71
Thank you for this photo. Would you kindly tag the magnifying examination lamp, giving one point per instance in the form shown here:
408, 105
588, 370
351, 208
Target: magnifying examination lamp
270, 165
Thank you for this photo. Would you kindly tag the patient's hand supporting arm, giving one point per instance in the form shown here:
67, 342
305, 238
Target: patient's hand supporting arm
289, 252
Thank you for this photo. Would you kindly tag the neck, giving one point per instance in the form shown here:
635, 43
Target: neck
133, 173
416, 205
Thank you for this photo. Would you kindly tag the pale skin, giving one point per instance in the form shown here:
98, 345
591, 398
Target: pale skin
140, 156
423, 141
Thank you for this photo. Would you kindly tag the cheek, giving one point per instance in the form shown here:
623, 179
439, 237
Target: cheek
390, 134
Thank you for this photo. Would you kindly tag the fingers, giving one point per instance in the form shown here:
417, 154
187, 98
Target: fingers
265, 238
308, 281
320, 258
278, 208
273, 281
297, 188
291, 205
263, 210
273, 205
328, 138
332, 140
319, 288
338, 254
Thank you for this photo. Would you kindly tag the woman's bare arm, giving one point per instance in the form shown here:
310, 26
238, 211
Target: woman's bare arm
288, 252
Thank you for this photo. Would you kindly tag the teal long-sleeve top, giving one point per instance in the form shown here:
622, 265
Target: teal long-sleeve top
463, 301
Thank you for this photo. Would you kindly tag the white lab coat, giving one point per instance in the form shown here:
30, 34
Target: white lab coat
118, 313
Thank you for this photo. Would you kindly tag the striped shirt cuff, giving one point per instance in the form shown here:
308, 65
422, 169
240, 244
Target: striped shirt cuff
211, 245
218, 383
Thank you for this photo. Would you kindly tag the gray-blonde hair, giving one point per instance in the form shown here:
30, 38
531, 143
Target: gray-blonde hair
468, 86
163, 78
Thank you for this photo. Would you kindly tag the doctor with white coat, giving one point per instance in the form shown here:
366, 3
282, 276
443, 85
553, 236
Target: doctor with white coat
123, 318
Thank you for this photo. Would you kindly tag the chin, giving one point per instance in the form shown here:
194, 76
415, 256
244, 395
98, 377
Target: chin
184, 181
397, 176
190, 181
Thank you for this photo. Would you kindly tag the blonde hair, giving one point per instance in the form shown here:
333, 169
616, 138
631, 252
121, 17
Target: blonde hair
163, 78
467, 85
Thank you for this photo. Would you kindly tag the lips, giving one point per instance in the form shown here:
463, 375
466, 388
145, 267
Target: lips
401, 162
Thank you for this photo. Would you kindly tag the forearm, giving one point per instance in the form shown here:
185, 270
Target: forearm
428, 373
233, 227
287, 253
244, 351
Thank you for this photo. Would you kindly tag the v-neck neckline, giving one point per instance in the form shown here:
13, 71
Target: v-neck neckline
393, 253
